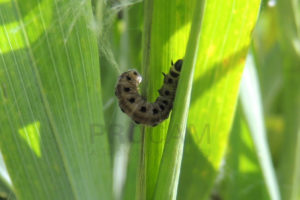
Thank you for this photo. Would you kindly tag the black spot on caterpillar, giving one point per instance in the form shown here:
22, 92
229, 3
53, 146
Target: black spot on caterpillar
136, 107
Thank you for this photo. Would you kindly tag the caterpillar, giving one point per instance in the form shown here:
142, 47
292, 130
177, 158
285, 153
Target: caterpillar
137, 107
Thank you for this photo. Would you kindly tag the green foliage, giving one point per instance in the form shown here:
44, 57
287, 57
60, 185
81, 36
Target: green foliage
63, 136
289, 35
243, 178
51, 107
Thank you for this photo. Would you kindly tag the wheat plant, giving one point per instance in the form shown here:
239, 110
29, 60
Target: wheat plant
234, 129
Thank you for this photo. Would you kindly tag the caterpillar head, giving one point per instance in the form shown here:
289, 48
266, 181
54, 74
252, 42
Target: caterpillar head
131, 77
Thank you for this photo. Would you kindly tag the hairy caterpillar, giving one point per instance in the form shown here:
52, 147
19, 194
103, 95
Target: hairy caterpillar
136, 107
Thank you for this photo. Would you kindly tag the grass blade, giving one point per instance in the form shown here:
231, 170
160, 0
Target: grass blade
167, 183
242, 176
250, 98
289, 170
166, 30
51, 123
224, 45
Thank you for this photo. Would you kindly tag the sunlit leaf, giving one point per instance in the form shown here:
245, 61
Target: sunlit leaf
225, 38
52, 134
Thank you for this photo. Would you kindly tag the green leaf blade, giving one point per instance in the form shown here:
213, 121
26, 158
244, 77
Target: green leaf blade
167, 183
52, 129
289, 162
250, 98
165, 36
221, 58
